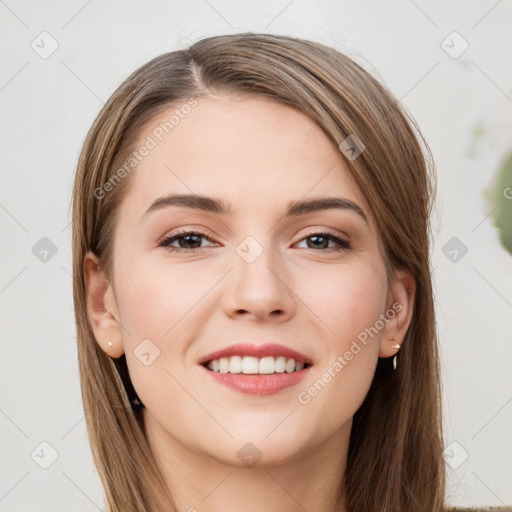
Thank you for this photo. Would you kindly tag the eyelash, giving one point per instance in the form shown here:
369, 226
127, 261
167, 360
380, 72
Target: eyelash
344, 245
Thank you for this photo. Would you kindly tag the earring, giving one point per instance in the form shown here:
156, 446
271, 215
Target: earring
395, 356
109, 343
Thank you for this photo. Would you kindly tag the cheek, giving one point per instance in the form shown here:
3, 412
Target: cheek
348, 301
160, 306
159, 300
154, 307
348, 304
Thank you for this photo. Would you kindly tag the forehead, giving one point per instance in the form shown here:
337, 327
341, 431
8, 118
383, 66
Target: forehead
253, 152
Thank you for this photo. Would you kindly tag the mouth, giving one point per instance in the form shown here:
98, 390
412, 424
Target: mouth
256, 369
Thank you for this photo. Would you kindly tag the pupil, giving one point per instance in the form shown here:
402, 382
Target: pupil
313, 238
184, 239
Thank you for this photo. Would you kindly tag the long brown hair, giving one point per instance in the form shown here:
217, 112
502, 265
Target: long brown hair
395, 453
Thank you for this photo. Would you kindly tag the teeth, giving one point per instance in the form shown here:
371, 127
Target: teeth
266, 365
235, 364
290, 365
280, 364
250, 365
224, 365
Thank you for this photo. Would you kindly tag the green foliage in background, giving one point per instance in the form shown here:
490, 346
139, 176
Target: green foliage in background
501, 198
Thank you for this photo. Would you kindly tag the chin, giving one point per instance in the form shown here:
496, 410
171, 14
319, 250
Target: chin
257, 452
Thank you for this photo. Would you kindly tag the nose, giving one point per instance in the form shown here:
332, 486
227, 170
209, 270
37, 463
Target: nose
260, 290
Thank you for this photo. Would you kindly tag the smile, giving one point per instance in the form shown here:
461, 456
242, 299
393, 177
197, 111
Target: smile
257, 369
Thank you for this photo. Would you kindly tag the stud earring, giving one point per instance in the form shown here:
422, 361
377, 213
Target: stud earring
109, 343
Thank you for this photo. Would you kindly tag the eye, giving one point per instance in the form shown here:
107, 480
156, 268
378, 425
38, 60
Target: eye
190, 241
319, 240
187, 238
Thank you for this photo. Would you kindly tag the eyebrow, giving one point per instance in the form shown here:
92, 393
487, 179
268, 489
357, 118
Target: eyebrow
219, 207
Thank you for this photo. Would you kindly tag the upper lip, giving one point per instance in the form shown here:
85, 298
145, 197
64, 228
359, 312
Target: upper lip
259, 351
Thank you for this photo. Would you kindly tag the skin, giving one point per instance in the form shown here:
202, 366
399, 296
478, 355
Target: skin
257, 156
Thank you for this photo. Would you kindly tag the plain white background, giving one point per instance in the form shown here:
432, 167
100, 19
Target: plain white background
463, 104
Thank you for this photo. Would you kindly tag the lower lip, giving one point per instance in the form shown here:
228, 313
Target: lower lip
258, 384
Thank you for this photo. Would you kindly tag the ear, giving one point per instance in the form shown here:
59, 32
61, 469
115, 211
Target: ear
102, 308
399, 312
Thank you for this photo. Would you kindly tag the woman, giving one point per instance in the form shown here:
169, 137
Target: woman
252, 286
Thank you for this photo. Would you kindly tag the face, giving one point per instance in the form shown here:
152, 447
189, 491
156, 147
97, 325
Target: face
189, 282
